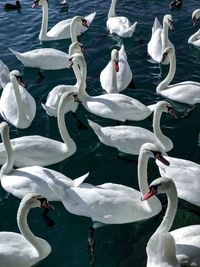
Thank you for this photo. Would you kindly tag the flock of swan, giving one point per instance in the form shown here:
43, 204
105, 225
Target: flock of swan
25, 159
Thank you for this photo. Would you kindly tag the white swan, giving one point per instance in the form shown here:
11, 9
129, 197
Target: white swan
185, 92
17, 106
194, 39
34, 179
4, 74
159, 39
62, 29
185, 174
114, 106
119, 25
184, 249
117, 75
128, 139
38, 150
49, 58
53, 98
24, 249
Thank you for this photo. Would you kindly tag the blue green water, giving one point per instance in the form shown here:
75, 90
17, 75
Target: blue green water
116, 245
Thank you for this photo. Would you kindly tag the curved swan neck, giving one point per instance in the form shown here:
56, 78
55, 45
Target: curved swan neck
20, 105
62, 126
194, 37
8, 166
172, 69
44, 26
165, 34
111, 12
142, 172
83, 67
24, 228
73, 26
114, 88
168, 219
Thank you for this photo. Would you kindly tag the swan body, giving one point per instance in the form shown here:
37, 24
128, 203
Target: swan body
4, 74
114, 106
185, 92
119, 25
194, 39
185, 241
62, 29
121, 73
21, 181
24, 249
17, 106
185, 174
159, 39
129, 139
39, 150
111, 203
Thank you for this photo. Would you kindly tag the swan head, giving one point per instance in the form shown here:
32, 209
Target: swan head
76, 47
165, 106
169, 21
115, 59
160, 185
80, 20
4, 129
168, 51
68, 102
154, 151
195, 16
34, 200
16, 75
36, 3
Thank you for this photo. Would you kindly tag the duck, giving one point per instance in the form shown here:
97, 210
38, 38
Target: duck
118, 24
175, 4
128, 139
159, 39
117, 74
62, 29
187, 92
15, 6
17, 106
21, 181
113, 106
31, 150
184, 173
24, 249
179, 247
194, 39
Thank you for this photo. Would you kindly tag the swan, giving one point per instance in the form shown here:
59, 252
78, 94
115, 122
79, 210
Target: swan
185, 174
128, 139
42, 151
159, 39
185, 241
24, 249
48, 58
53, 98
111, 203
119, 25
185, 92
114, 106
62, 29
117, 75
21, 181
4, 74
195, 38
17, 106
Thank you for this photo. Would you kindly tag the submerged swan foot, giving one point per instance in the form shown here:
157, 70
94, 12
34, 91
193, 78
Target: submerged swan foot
91, 245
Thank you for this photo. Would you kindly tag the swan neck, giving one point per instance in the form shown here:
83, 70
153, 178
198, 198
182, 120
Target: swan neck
111, 12
170, 213
8, 165
142, 172
73, 27
69, 143
114, 88
24, 228
20, 105
156, 126
172, 69
77, 73
44, 25
165, 35
82, 92
194, 37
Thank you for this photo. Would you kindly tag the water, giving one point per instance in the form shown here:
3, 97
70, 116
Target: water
116, 245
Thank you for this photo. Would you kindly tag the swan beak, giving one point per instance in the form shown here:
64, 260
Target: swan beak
152, 191
35, 4
21, 82
171, 26
116, 65
194, 20
160, 157
84, 23
172, 112
76, 99
48, 206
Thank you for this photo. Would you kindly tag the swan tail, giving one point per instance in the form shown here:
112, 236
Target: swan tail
17, 54
90, 18
95, 126
152, 107
156, 25
78, 181
131, 30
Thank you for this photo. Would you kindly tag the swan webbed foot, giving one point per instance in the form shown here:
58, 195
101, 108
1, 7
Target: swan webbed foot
79, 123
91, 245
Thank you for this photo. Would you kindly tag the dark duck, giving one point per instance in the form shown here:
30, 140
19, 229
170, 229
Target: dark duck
9, 6
175, 4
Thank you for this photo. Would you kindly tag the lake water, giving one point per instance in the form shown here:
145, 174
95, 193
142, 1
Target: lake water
116, 245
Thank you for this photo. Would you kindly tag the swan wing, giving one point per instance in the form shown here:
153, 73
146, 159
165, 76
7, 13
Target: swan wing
156, 25
105, 80
4, 74
154, 46
121, 26
61, 30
